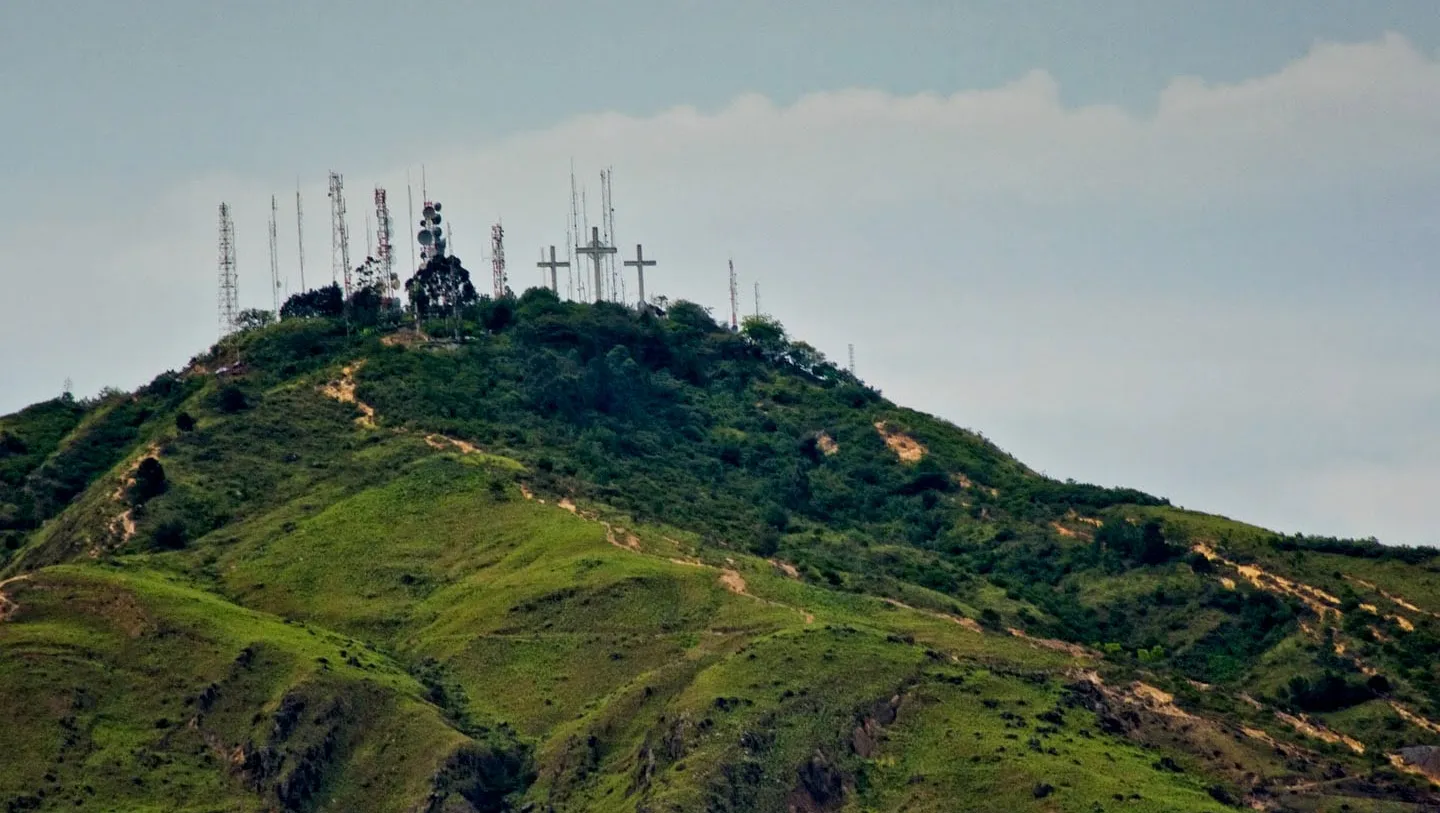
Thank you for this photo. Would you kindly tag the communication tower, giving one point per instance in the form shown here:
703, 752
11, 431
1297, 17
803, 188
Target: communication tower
384, 248
497, 259
229, 298
573, 240
852, 359
431, 235
275, 255
734, 301
300, 232
607, 226
339, 234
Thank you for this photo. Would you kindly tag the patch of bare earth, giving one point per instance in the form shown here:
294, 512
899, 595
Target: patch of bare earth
445, 442
905, 447
1311, 728
8, 606
968, 623
733, 581
1052, 643
343, 390
1321, 602
826, 444
122, 527
786, 568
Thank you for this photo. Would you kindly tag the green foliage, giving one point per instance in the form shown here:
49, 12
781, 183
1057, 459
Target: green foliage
253, 319
440, 288
148, 483
327, 301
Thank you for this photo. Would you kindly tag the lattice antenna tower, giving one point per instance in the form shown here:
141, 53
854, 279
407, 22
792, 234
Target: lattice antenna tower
339, 234
734, 300
384, 247
607, 226
852, 359
275, 254
497, 259
410, 205
228, 301
572, 240
300, 232
586, 295
432, 234
757, 299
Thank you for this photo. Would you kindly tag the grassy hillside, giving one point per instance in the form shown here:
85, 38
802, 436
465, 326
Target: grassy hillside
588, 559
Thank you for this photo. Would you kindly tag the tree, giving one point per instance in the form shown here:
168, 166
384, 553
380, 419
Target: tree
149, 481
767, 334
185, 422
253, 319
328, 301
441, 289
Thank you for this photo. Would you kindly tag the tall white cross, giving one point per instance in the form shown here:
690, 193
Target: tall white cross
595, 251
639, 264
552, 265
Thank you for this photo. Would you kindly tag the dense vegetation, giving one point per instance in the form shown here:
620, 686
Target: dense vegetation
742, 580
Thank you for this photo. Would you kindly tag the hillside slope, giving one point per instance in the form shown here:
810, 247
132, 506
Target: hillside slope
595, 560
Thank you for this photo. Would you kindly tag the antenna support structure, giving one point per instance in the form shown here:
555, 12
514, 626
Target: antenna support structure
339, 234
384, 247
734, 301
497, 259
228, 301
275, 255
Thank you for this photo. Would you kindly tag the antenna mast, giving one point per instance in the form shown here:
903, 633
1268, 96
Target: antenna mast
300, 232
852, 359
275, 255
228, 300
384, 250
339, 233
734, 301
497, 258
757, 299
607, 222
573, 239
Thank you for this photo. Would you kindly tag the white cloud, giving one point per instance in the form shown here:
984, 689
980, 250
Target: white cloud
1018, 265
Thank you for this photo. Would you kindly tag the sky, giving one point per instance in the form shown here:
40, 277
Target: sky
1183, 247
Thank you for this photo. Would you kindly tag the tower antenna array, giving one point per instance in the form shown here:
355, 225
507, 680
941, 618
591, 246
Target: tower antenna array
497, 259
228, 300
339, 233
384, 248
607, 221
300, 232
572, 240
852, 359
734, 300
275, 255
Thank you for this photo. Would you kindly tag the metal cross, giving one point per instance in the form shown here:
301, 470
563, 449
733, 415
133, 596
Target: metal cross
552, 265
595, 251
639, 264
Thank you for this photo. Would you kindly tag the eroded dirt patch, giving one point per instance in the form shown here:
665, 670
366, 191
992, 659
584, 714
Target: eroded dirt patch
8, 606
905, 447
343, 390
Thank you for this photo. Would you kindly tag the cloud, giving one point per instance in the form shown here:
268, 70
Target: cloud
1187, 298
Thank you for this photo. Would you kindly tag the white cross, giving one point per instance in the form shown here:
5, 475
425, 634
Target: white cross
595, 251
639, 264
552, 265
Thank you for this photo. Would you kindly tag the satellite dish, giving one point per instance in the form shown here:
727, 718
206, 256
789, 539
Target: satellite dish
426, 237
435, 218
428, 212
437, 207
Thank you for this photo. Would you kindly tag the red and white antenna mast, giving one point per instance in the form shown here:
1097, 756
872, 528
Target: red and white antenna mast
497, 258
384, 248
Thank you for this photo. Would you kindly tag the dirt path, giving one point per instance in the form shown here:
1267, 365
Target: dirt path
1321, 602
730, 579
8, 606
968, 623
343, 391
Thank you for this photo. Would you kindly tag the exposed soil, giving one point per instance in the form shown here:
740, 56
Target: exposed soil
827, 444
343, 391
8, 606
905, 447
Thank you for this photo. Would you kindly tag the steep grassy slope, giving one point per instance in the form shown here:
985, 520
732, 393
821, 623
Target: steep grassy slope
598, 561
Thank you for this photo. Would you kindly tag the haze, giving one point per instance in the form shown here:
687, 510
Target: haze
1184, 248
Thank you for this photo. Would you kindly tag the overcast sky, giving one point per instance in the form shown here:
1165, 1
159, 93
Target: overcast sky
1184, 247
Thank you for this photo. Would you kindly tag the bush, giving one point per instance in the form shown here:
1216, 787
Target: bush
170, 535
149, 482
185, 422
232, 399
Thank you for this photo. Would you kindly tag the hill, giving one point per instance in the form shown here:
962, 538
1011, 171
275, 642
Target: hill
589, 559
